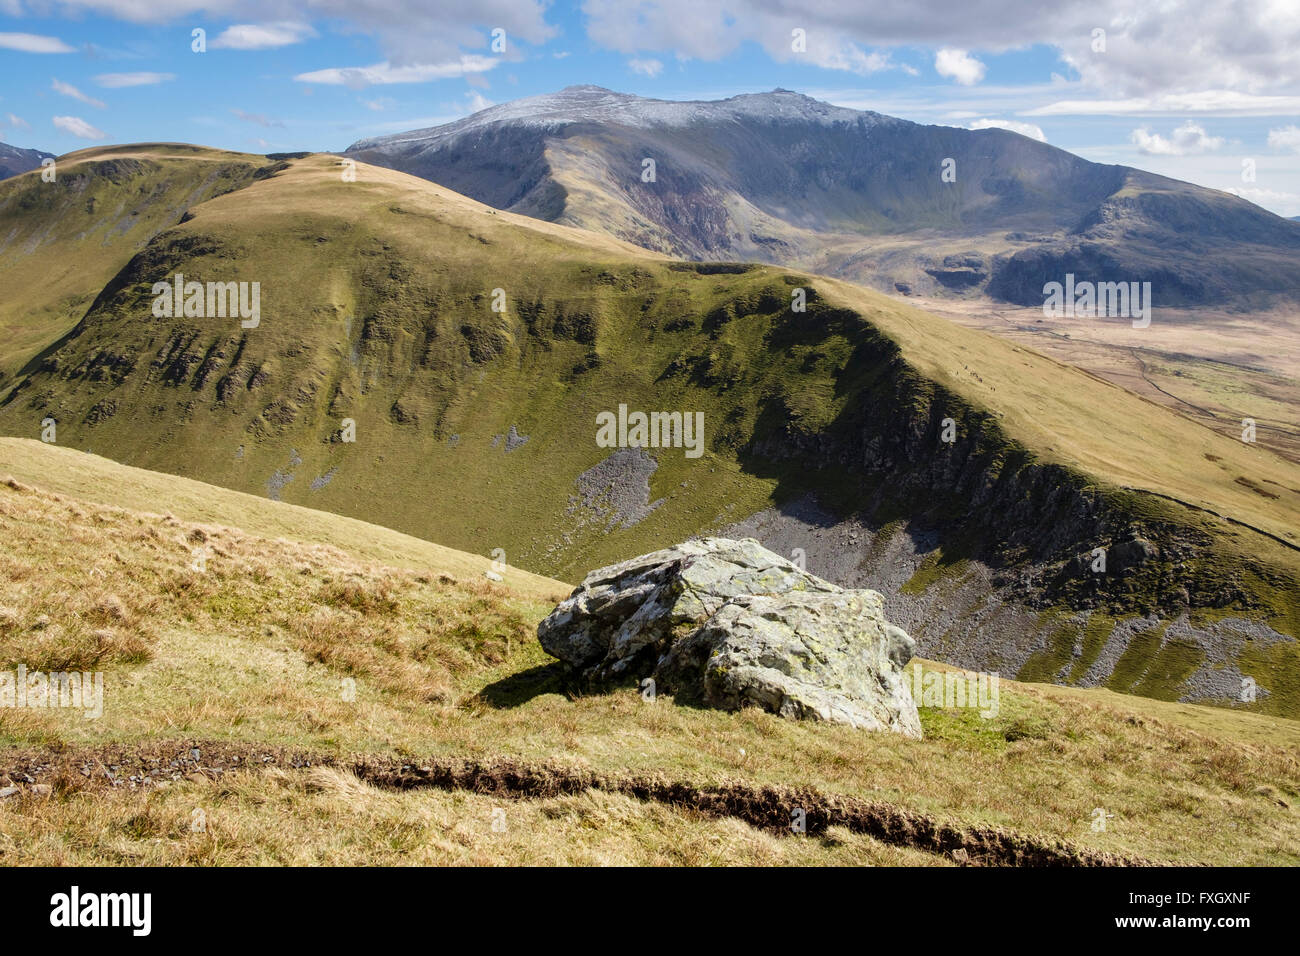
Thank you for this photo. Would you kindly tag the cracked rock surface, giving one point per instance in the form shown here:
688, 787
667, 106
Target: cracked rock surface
729, 624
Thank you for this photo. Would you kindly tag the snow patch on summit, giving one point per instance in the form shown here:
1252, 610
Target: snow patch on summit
595, 104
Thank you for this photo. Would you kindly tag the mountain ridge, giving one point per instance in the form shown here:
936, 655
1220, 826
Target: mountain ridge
474, 426
783, 178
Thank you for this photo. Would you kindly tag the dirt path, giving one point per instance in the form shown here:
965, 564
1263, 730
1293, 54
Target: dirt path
123, 767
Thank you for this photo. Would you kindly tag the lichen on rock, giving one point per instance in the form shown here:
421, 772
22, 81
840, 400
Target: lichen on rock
729, 624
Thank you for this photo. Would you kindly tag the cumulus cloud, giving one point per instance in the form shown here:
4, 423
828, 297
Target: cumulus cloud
67, 89
958, 65
407, 32
1285, 137
645, 67
712, 29
1152, 46
1190, 139
261, 36
1282, 203
853, 59
78, 127
33, 43
114, 81
1015, 126
378, 74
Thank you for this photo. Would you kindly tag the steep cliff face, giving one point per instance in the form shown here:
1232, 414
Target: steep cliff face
915, 450
1000, 561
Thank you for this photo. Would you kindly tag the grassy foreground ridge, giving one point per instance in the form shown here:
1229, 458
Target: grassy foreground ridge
282, 643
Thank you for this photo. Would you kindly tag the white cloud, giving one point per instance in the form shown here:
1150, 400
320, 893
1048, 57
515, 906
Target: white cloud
958, 65
1285, 137
1015, 126
17, 122
477, 102
712, 29
357, 77
261, 36
853, 59
1153, 47
650, 68
1190, 139
1206, 102
406, 32
114, 81
1283, 203
67, 89
33, 43
78, 127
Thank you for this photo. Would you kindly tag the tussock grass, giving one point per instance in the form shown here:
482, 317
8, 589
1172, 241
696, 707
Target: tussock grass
259, 648
330, 818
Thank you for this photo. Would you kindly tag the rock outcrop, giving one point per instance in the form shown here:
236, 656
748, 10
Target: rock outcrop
729, 624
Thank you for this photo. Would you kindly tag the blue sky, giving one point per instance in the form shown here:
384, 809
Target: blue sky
1202, 90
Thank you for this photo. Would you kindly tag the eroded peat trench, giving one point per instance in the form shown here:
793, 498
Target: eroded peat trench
59, 773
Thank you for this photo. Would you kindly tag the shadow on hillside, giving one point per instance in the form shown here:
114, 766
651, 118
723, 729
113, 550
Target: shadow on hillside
522, 687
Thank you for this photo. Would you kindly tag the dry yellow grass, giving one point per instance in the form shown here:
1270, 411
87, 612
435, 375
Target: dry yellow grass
327, 817
260, 647
97, 479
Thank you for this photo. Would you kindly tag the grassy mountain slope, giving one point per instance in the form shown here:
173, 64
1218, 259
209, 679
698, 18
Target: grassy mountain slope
212, 677
93, 479
77, 232
476, 428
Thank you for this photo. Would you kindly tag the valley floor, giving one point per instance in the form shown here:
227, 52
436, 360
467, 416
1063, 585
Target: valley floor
1213, 366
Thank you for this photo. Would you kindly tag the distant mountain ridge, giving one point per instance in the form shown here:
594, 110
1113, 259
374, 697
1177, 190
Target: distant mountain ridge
14, 160
781, 177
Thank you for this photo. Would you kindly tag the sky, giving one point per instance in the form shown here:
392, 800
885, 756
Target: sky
1206, 91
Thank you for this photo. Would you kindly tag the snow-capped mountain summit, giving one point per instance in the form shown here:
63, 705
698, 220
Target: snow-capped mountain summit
781, 177
595, 104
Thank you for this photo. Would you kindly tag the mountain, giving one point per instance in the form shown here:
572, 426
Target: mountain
14, 160
77, 232
779, 177
425, 362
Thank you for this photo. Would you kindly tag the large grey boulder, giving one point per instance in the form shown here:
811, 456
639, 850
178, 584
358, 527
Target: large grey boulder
730, 624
